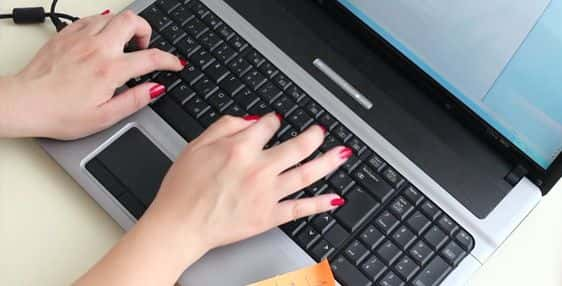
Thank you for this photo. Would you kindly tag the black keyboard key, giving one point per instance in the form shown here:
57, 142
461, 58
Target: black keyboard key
195, 27
420, 252
209, 117
307, 236
260, 108
132, 204
254, 57
288, 134
163, 45
406, 268
453, 253
401, 207
173, 33
196, 106
181, 15
418, 222
224, 53
356, 252
269, 92
391, 176
357, 145
182, 93
317, 188
435, 237
239, 66
254, 79
237, 43
321, 250
433, 273
293, 227
217, 71
322, 222
205, 87
156, 18
341, 182
231, 84
225, 32
282, 81
235, 110
168, 79
183, 123
388, 252
336, 235
351, 164
295, 93
314, 109
220, 100
373, 267
430, 209
268, 69
373, 183
191, 74
212, 20
246, 98
464, 240
403, 237
358, 207
284, 105
300, 119
447, 224
329, 143
198, 8
386, 222
376, 162
210, 40
202, 58
391, 279
167, 5
342, 133
413, 195
348, 274
327, 120
371, 236
187, 46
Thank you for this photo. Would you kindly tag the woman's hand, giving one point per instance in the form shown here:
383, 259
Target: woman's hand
66, 92
225, 186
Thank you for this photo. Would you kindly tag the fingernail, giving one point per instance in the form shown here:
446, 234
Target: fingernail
157, 91
337, 202
279, 116
183, 62
346, 153
106, 11
323, 128
251, 117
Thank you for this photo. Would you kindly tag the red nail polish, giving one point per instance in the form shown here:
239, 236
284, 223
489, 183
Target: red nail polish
183, 62
105, 12
323, 129
279, 116
346, 153
251, 117
338, 202
157, 91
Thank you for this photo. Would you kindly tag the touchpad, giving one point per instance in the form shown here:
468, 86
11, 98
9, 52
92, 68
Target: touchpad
131, 169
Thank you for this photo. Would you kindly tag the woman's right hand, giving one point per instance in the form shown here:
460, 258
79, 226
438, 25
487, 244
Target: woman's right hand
228, 188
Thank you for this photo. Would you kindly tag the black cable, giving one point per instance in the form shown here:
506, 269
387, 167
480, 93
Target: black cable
33, 15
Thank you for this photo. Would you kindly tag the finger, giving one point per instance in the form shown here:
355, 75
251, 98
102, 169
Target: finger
297, 149
226, 126
307, 174
91, 25
294, 209
129, 102
125, 26
143, 62
261, 132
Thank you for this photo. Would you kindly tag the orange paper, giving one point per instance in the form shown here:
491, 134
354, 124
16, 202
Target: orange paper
316, 275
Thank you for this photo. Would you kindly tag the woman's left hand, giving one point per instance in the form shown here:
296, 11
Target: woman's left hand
67, 91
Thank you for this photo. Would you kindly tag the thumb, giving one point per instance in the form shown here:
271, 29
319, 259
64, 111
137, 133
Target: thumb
130, 101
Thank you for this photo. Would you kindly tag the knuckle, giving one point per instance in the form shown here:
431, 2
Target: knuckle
298, 210
305, 176
154, 56
129, 16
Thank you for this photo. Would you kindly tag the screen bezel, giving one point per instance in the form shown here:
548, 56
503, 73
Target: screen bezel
543, 178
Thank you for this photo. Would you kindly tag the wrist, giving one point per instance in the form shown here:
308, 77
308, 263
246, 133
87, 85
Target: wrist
15, 119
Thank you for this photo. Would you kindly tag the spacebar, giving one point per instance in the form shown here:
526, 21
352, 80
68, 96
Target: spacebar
178, 118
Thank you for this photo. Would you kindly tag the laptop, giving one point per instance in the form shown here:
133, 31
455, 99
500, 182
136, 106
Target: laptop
452, 148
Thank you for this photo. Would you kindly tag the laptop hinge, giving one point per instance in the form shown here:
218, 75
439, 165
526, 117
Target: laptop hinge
516, 174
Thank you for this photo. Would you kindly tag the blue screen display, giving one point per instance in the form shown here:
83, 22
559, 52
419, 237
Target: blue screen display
524, 102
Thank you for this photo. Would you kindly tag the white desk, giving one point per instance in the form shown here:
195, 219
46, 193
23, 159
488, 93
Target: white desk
51, 231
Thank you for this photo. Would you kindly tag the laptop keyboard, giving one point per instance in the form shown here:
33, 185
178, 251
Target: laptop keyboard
388, 233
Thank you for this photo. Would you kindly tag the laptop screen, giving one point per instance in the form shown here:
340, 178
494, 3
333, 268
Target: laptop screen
502, 59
